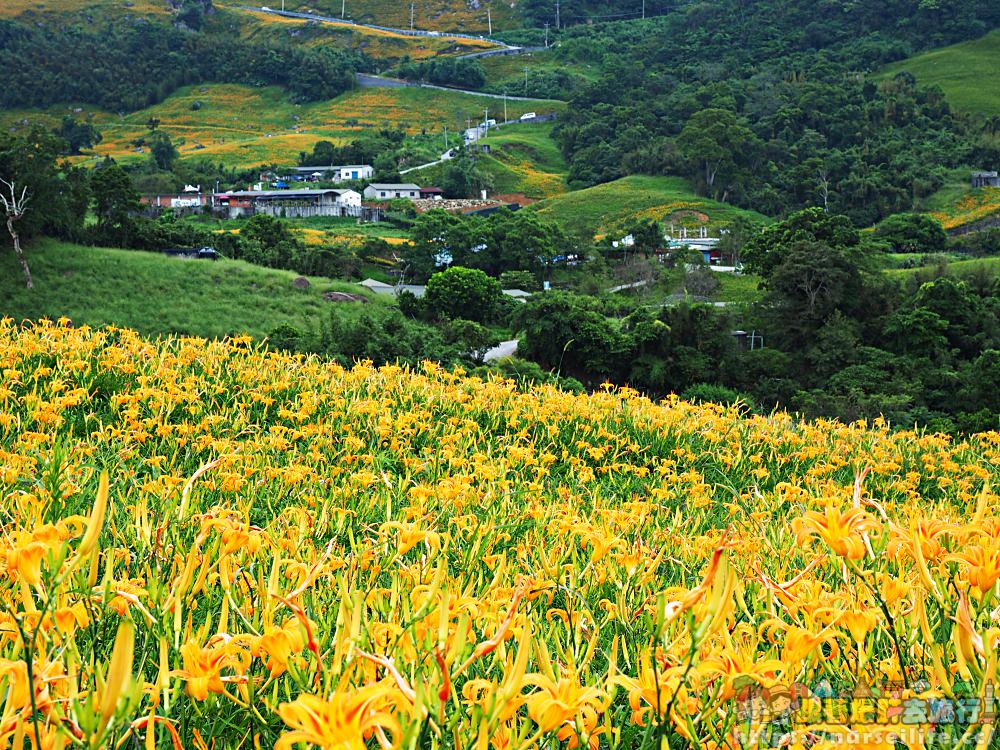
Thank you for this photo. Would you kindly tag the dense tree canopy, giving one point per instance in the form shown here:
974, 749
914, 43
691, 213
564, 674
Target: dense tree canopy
771, 105
131, 63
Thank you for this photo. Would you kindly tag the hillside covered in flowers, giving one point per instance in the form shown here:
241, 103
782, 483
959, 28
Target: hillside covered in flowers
206, 544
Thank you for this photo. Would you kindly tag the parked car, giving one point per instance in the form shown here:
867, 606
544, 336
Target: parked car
528, 116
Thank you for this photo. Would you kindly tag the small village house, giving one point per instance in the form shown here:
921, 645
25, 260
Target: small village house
431, 193
291, 203
985, 179
334, 173
379, 191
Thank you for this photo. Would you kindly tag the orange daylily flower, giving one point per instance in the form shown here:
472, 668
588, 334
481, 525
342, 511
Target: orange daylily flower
841, 531
341, 722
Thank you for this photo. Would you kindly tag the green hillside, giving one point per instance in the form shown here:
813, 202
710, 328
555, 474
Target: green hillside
525, 159
381, 45
241, 126
670, 200
156, 294
966, 72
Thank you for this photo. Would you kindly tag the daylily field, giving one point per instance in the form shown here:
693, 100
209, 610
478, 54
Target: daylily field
208, 545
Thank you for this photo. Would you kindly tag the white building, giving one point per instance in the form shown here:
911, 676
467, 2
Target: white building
348, 198
337, 173
379, 191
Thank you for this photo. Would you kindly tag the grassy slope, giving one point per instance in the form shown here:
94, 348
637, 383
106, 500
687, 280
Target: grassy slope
525, 159
381, 45
155, 294
442, 15
243, 126
15, 8
966, 72
961, 268
604, 208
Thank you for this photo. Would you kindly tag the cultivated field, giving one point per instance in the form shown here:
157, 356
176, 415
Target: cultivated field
440, 15
206, 545
380, 45
241, 126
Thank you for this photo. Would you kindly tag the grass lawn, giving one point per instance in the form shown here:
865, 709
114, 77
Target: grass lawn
738, 288
242, 126
156, 294
966, 73
960, 268
670, 200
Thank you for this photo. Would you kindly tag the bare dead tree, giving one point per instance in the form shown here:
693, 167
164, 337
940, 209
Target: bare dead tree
14, 207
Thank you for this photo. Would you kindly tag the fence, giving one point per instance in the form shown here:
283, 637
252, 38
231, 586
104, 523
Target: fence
292, 211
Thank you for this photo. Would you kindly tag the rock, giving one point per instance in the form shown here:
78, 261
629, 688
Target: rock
344, 297
301, 282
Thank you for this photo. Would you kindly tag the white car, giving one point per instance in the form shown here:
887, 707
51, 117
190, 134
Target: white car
528, 116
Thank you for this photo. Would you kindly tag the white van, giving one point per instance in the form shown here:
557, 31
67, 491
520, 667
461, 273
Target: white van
490, 123
528, 116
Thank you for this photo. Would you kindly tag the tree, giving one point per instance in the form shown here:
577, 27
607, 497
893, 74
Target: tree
766, 249
114, 201
714, 139
163, 150
463, 293
78, 135
913, 233
14, 206
474, 339
28, 159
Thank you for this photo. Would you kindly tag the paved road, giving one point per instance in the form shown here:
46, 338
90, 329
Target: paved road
505, 349
367, 80
407, 32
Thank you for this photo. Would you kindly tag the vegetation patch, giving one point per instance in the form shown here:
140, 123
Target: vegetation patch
157, 295
961, 71
605, 208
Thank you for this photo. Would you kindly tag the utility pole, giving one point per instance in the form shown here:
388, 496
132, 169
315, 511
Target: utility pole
411, 16
643, 8
486, 121
489, 19
525, 80
557, 15
546, 33
446, 139
343, 8
505, 105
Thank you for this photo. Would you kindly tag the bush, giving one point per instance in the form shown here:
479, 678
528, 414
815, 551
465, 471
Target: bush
913, 233
463, 293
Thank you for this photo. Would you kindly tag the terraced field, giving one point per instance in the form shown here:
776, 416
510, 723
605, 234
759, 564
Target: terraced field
242, 126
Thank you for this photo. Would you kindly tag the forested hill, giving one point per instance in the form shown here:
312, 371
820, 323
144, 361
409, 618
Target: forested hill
125, 63
767, 104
